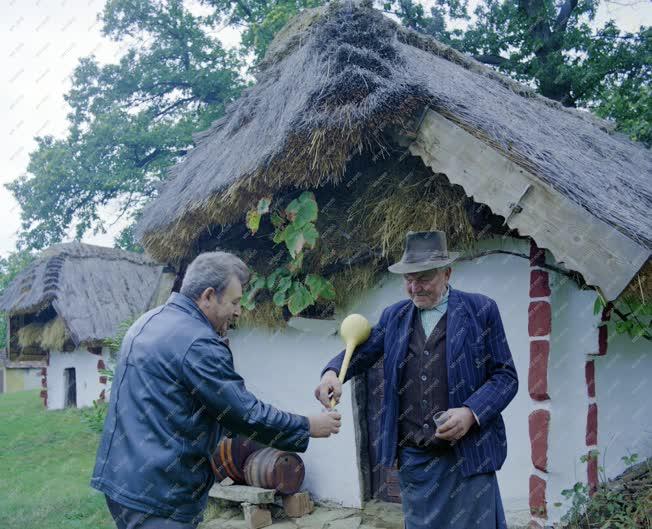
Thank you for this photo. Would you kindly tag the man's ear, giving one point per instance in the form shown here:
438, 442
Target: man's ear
207, 294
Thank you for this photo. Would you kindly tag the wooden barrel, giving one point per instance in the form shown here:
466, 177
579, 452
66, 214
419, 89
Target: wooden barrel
270, 468
230, 456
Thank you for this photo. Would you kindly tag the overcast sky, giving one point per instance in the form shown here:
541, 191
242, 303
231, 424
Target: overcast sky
43, 41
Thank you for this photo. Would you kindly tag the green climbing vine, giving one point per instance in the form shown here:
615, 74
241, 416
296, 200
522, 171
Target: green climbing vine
289, 285
634, 316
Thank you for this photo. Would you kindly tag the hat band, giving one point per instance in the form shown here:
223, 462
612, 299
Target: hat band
425, 256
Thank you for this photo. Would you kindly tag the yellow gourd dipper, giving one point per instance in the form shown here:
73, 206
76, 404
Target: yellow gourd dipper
355, 329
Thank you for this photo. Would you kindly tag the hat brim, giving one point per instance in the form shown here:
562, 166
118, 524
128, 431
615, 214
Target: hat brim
410, 268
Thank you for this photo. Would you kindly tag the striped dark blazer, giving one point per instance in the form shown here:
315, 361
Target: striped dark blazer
481, 374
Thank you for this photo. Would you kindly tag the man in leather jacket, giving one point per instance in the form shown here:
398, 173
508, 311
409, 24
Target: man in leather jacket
175, 393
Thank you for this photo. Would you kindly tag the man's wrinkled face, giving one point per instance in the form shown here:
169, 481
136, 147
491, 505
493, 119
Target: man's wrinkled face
427, 288
222, 311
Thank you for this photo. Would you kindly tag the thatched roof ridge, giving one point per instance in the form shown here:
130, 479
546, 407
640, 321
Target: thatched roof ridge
92, 288
335, 79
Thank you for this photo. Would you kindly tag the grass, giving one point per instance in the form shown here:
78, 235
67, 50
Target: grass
46, 460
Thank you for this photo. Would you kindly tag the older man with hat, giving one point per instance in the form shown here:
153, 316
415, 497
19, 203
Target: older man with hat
444, 350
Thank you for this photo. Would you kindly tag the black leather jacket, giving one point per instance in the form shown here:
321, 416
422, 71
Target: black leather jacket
175, 393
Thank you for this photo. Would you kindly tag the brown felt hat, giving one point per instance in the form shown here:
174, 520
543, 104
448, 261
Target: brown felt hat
424, 250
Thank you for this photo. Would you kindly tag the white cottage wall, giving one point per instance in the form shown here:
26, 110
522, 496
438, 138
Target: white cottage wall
624, 426
86, 375
574, 336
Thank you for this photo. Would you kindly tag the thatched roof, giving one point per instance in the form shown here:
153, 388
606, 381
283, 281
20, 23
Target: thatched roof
91, 288
335, 80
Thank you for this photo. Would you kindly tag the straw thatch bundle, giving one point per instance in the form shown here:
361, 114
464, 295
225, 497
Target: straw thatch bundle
49, 336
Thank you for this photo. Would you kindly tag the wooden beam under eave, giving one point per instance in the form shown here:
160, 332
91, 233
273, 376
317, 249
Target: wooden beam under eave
606, 258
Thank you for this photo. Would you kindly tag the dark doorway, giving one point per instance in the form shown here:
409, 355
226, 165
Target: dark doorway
70, 387
383, 481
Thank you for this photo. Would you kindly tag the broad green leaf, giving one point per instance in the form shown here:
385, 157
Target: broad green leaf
272, 278
294, 240
258, 283
314, 283
303, 209
299, 299
279, 298
253, 220
320, 287
284, 284
310, 234
328, 292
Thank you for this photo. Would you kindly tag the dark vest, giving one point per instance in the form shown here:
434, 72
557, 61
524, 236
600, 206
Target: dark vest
423, 388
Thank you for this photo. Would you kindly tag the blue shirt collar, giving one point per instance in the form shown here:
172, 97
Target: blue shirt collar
443, 302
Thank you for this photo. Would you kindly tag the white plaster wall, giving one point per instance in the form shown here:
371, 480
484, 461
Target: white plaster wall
622, 394
86, 374
574, 336
33, 378
623, 379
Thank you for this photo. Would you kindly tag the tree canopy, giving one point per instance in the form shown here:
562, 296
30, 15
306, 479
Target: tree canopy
130, 121
10, 267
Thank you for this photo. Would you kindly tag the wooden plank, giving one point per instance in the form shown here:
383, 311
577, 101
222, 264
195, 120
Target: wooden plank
361, 430
34, 364
243, 493
8, 337
582, 242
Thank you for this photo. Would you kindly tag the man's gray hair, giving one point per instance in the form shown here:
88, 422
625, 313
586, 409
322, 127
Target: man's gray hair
213, 269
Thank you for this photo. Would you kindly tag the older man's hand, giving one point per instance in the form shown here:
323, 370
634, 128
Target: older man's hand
329, 387
458, 424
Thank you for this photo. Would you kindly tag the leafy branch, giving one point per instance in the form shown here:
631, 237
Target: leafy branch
635, 317
288, 285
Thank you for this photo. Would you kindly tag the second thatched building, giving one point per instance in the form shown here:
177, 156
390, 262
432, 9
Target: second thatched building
62, 309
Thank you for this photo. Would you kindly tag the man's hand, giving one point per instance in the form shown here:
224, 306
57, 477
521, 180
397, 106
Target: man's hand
458, 424
330, 386
325, 424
